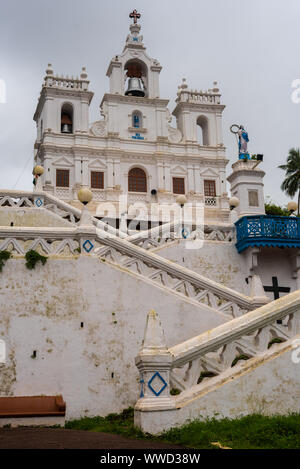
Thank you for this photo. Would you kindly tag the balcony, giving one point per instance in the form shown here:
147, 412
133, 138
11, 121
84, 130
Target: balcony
267, 230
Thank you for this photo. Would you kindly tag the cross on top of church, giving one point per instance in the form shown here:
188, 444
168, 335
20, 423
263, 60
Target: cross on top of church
135, 15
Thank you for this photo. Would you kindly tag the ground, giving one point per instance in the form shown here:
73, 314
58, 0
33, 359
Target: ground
59, 438
117, 431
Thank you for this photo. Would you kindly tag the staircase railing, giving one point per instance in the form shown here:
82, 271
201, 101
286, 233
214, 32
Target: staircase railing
186, 365
16, 198
112, 248
177, 278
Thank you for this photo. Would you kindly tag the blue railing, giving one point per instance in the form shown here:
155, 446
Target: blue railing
267, 230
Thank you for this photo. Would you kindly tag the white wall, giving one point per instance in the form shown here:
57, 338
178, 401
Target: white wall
216, 260
43, 309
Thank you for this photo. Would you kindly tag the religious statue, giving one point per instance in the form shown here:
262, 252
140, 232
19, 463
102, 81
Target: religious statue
243, 140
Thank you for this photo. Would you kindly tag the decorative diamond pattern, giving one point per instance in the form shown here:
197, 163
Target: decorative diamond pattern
157, 381
38, 202
88, 246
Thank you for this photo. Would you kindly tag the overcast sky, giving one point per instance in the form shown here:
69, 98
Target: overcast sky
250, 47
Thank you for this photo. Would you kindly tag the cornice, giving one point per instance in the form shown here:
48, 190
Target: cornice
127, 155
55, 92
118, 98
197, 106
245, 172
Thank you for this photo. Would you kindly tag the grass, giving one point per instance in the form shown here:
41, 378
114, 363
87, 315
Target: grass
251, 432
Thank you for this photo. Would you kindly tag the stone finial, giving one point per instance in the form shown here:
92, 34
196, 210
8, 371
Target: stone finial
49, 70
184, 84
257, 291
215, 88
154, 337
85, 196
123, 223
83, 74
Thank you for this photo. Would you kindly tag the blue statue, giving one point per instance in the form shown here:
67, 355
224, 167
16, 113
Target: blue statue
243, 141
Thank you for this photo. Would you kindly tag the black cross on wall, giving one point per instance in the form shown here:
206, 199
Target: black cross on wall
275, 288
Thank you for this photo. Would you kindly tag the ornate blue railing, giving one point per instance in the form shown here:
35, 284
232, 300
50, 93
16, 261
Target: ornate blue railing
267, 230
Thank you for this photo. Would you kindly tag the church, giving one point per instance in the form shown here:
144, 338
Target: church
136, 220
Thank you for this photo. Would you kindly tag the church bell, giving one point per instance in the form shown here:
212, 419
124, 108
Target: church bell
66, 129
135, 87
66, 124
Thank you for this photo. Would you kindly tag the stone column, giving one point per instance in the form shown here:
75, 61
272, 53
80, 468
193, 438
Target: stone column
117, 173
84, 116
168, 178
110, 170
160, 175
85, 172
78, 176
154, 364
191, 184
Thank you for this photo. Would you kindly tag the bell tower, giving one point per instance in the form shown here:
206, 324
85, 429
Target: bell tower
134, 63
61, 116
199, 111
134, 100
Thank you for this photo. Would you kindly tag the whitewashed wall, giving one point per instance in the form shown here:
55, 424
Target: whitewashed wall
216, 260
92, 367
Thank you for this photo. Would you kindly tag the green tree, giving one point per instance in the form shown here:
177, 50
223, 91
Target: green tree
291, 183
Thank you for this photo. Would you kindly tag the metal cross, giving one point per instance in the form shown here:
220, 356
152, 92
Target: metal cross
276, 289
135, 15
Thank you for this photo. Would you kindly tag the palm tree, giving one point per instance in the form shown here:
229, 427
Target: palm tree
291, 183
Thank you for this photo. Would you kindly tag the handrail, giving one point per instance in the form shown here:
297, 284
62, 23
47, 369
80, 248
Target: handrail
198, 287
234, 329
51, 199
177, 270
210, 354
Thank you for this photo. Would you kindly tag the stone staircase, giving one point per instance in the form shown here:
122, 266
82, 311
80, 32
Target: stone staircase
120, 251
247, 365
248, 340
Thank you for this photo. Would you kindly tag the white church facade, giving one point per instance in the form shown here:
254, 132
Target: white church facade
133, 150
220, 299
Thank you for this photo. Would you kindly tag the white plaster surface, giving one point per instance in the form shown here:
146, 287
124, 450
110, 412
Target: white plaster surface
268, 384
92, 367
30, 217
217, 260
33, 421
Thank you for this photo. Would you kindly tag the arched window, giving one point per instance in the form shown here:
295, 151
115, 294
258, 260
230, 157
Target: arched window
202, 130
137, 180
137, 120
136, 78
66, 119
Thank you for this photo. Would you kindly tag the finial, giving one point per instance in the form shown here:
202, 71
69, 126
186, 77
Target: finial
135, 15
83, 74
183, 84
215, 88
49, 70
